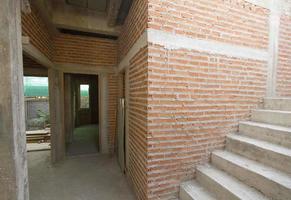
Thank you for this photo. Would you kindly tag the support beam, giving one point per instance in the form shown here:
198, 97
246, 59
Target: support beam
35, 54
13, 162
84, 69
103, 113
56, 104
32, 71
113, 10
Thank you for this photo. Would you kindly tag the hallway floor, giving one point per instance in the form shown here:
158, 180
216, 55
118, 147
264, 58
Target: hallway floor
77, 178
85, 140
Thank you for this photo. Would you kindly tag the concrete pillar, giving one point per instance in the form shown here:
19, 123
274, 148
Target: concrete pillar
274, 28
13, 162
103, 113
56, 103
69, 125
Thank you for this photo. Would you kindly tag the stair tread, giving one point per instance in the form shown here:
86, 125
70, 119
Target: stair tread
262, 144
230, 183
278, 98
196, 191
256, 167
273, 111
268, 126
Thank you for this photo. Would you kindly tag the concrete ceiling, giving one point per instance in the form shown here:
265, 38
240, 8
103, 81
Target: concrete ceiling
92, 16
97, 5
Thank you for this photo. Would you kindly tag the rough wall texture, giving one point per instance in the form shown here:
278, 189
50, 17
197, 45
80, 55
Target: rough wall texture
195, 99
284, 58
183, 102
89, 51
135, 24
34, 27
235, 22
112, 109
138, 94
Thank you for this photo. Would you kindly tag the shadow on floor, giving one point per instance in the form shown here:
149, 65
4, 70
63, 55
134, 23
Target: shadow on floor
92, 177
85, 140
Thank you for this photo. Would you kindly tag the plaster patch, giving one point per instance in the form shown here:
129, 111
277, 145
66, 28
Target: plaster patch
173, 41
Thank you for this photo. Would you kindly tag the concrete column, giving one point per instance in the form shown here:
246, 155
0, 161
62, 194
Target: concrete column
103, 113
56, 103
13, 162
69, 125
274, 29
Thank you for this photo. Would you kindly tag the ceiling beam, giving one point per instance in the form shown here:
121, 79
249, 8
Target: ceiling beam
113, 10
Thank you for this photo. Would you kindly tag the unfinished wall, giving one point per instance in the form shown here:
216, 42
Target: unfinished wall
284, 58
90, 51
134, 26
202, 69
35, 28
197, 94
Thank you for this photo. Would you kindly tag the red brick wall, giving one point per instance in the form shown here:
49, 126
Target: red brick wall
138, 94
284, 58
195, 99
135, 24
89, 51
34, 27
236, 22
112, 109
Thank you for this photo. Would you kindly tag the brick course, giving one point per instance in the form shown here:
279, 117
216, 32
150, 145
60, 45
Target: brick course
236, 22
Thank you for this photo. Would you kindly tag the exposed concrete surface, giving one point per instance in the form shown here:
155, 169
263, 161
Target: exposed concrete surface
71, 17
256, 163
78, 178
13, 167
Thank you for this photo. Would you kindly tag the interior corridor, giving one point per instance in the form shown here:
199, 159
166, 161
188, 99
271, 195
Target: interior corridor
85, 140
88, 177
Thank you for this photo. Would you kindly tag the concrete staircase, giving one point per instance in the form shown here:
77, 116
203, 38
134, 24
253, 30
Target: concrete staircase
256, 163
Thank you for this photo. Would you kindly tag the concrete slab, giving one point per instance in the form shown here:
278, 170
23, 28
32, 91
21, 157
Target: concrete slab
77, 178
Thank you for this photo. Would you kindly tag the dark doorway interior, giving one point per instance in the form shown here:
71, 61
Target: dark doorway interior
85, 115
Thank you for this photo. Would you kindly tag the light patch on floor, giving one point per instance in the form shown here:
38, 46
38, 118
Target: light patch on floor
95, 177
85, 140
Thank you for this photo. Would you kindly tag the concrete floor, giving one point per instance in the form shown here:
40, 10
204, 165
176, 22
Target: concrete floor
95, 177
85, 140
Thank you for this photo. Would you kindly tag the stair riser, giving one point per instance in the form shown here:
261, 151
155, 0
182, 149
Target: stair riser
277, 104
214, 187
271, 158
279, 137
183, 195
266, 186
283, 119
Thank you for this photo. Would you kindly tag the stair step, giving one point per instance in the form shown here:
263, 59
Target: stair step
271, 133
224, 186
277, 104
277, 117
191, 190
264, 152
269, 181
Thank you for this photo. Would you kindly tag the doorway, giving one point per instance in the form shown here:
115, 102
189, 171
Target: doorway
84, 109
